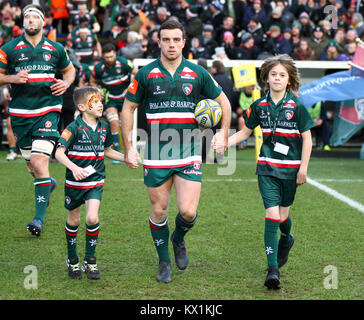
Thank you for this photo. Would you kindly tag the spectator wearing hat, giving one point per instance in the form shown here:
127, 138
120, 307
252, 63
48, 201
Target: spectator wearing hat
255, 10
342, 19
296, 34
277, 44
220, 54
318, 42
303, 51
229, 44
217, 14
247, 49
275, 19
208, 40
255, 28
306, 24
330, 53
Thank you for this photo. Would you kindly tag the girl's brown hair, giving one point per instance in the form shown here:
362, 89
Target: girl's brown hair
286, 61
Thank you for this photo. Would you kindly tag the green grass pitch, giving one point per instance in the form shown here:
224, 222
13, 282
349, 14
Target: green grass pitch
226, 248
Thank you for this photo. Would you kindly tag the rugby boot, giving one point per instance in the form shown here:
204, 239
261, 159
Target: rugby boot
35, 227
164, 272
273, 279
180, 254
283, 252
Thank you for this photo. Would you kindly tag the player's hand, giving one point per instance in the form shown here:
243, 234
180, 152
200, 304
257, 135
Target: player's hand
219, 142
59, 87
132, 158
301, 177
21, 77
79, 173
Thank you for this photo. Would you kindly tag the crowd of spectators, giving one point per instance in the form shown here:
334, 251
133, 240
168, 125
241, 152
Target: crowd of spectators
223, 29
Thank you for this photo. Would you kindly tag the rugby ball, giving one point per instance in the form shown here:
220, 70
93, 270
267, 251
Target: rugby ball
208, 113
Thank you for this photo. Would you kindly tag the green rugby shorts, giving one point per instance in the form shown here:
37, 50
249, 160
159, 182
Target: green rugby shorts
75, 197
276, 192
26, 129
155, 177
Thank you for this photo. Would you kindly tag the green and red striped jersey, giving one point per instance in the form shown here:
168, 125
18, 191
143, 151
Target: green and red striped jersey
114, 79
85, 147
84, 48
169, 103
282, 123
33, 98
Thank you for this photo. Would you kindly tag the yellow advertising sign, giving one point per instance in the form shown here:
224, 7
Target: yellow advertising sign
244, 75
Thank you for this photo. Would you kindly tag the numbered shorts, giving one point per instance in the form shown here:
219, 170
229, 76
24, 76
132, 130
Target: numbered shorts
156, 177
276, 192
27, 129
75, 197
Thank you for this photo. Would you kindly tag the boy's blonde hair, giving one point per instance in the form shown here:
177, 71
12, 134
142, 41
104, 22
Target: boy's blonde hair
82, 95
286, 61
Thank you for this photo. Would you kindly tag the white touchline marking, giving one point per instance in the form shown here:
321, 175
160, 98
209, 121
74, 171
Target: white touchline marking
337, 195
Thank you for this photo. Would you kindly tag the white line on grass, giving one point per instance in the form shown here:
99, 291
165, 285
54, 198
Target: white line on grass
337, 195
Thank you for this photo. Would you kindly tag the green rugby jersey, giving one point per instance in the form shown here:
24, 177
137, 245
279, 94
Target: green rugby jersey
33, 98
85, 147
169, 104
84, 49
287, 121
114, 79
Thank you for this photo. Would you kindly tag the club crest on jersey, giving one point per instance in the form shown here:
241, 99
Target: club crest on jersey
289, 114
47, 56
48, 124
187, 88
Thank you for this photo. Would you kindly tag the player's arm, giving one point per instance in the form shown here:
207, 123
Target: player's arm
114, 155
305, 157
220, 140
78, 172
20, 78
61, 85
132, 157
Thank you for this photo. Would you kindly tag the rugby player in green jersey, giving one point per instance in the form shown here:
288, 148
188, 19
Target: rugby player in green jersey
29, 64
87, 140
284, 156
168, 89
113, 75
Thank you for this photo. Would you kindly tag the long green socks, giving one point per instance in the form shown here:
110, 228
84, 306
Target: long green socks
271, 241
42, 190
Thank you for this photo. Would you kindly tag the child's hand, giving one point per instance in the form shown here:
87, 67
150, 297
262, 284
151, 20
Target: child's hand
80, 173
301, 177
